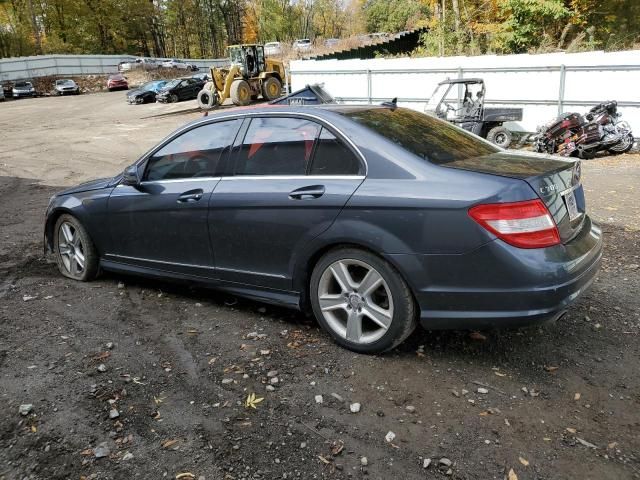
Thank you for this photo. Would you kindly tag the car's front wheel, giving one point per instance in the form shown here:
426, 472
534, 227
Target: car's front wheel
75, 253
362, 301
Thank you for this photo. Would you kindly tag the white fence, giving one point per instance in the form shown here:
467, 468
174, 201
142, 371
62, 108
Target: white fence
542, 85
23, 68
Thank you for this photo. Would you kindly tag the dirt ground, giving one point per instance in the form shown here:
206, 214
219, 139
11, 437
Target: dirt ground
129, 378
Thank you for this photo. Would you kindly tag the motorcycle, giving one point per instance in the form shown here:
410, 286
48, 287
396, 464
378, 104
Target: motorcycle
572, 134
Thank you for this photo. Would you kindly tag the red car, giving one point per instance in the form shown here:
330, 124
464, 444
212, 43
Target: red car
117, 81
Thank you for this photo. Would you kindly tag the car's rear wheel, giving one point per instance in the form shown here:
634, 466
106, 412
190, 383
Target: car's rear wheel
75, 253
362, 301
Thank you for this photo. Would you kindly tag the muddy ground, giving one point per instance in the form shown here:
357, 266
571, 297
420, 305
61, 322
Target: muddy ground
563, 400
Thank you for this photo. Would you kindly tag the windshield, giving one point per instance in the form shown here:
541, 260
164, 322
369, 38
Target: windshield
438, 94
23, 85
171, 84
427, 137
236, 55
64, 82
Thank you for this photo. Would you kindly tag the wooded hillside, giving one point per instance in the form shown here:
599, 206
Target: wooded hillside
202, 28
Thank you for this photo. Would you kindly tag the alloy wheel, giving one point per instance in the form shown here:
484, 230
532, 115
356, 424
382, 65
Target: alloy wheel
71, 249
355, 300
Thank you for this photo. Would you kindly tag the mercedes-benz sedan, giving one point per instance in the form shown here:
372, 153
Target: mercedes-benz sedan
371, 217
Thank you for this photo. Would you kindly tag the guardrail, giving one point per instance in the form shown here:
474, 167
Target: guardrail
25, 68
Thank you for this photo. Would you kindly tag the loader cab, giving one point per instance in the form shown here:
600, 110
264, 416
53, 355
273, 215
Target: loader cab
249, 58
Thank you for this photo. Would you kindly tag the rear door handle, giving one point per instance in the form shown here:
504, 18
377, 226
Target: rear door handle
312, 191
190, 196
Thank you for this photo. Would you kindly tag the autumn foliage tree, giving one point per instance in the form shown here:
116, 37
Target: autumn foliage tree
203, 28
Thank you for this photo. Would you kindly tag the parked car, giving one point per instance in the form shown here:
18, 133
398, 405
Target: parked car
23, 89
2, 99
117, 81
371, 217
205, 77
272, 49
180, 89
139, 63
66, 87
146, 93
302, 44
179, 65
331, 42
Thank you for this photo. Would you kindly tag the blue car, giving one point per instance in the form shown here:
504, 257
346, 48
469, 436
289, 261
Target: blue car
146, 93
373, 218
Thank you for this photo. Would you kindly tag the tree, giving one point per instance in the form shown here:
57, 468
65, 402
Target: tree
392, 15
528, 22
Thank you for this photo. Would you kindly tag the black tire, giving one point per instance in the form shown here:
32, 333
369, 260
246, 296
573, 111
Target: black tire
173, 98
240, 93
624, 146
271, 88
207, 99
404, 317
500, 136
85, 246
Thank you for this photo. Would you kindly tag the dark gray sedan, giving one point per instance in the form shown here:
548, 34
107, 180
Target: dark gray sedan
371, 217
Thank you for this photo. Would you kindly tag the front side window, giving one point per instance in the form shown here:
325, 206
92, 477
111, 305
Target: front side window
196, 153
277, 146
332, 157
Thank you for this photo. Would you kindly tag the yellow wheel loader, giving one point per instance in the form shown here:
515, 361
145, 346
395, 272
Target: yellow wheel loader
249, 76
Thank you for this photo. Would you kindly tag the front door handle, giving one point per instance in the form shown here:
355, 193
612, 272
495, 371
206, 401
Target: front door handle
312, 191
190, 196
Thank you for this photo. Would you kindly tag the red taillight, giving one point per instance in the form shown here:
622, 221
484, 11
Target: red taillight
521, 224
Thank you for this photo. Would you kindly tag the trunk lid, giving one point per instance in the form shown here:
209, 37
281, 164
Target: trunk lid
556, 181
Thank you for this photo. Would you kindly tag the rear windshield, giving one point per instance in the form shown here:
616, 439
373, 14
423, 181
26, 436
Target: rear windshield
429, 138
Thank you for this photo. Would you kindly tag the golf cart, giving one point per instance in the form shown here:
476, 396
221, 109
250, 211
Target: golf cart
461, 101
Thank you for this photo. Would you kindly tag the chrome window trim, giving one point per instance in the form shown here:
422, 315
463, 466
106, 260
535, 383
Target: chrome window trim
250, 177
293, 177
181, 180
236, 115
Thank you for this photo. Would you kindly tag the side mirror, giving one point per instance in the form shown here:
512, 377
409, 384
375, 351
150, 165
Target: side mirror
130, 176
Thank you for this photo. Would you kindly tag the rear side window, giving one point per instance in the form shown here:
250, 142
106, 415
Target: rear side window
196, 153
332, 157
427, 137
277, 146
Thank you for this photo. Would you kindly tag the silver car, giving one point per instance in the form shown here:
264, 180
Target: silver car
272, 48
66, 87
1, 94
23, 89
302, 44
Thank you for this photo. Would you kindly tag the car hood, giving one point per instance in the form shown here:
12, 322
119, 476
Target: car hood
88, 186
138, 91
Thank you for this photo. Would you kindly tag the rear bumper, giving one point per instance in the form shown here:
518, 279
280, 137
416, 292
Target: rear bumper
498, 285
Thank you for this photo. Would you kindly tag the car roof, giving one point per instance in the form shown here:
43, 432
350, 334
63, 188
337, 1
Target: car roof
326, 112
